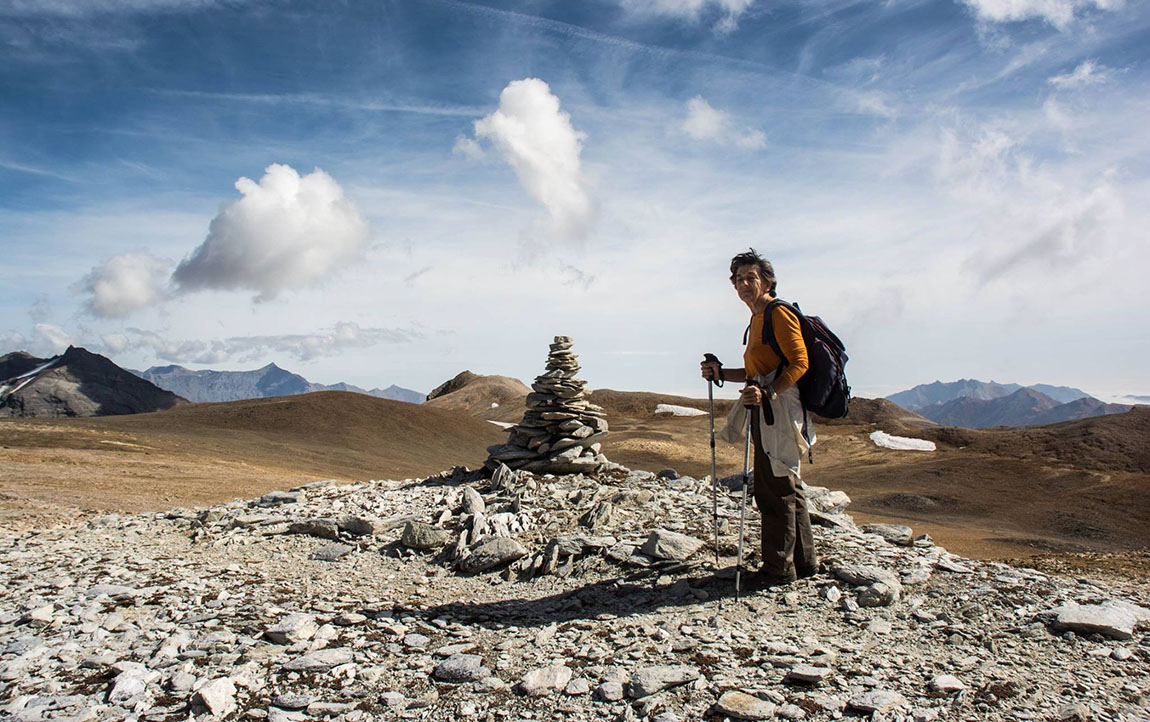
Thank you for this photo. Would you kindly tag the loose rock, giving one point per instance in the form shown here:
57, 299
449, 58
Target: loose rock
663, 544
650, 680
876, 700
418, 535
492, 553
743, 706
219, 696
545, 680
461, 668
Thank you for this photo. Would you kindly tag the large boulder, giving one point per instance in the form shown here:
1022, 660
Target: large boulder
492, 553
1116, 620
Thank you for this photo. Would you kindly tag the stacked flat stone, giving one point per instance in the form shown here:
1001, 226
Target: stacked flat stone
561, 431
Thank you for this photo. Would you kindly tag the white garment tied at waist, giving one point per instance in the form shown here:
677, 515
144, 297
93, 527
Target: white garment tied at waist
783, 441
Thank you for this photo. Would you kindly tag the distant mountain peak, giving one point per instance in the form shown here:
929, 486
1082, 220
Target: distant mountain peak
975, 404
268, 381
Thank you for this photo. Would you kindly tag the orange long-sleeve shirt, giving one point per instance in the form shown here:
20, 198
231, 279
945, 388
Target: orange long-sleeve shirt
760, 358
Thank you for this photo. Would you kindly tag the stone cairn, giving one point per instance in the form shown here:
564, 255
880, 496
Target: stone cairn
561, 431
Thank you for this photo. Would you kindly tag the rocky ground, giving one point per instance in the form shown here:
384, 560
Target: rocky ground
529, 598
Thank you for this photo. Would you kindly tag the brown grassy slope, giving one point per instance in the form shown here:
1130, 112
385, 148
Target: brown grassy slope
1014, 492
329, 432
989, 493
1117, 442
892, 417
641, 404
208, 453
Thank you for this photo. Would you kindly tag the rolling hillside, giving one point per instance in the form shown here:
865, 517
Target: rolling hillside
1072, 487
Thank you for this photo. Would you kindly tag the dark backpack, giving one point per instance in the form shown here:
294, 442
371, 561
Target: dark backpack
823, 388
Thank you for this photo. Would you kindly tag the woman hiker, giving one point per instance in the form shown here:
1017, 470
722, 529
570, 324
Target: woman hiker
778, 435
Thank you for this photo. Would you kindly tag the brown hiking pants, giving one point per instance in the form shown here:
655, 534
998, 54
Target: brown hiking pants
788, 544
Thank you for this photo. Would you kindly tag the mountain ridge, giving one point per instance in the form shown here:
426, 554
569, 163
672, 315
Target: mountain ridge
268, 381
975, 404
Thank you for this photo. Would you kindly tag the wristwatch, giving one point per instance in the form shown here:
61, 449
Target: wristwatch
772, 393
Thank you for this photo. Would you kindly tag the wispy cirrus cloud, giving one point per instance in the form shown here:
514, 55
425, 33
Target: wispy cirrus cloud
1088, 72
873, 102
726, 13
82, 8
322, 101
1031, 219
35, 170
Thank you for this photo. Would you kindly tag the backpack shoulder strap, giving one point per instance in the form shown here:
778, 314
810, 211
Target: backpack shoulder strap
769, 330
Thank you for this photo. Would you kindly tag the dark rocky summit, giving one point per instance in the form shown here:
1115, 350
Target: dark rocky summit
76, 383
17, 363
453, 384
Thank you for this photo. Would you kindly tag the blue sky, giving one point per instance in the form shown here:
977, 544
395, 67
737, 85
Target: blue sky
958, 187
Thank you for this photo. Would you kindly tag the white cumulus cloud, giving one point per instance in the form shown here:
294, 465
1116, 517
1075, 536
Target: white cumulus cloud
125, 283
1059, 13
287, 231
114, 342
45, 340
535, 136
704, 122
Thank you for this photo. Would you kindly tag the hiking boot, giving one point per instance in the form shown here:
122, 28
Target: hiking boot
804, 572
760, 580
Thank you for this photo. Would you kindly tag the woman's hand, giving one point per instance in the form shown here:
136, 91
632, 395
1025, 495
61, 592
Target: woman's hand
751, 396
710, 370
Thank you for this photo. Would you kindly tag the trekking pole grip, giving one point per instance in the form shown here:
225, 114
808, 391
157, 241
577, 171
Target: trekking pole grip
713, 359
752, 382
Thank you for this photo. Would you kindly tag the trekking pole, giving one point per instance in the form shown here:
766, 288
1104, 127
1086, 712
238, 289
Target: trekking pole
714, 475
743, 505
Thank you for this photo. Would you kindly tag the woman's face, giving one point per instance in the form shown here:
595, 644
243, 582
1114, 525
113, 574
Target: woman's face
748, 284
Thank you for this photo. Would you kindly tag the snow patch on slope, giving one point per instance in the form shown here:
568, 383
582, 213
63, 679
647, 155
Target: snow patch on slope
900, 443
673, 410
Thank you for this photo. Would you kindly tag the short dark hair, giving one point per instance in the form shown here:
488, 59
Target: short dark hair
752, 258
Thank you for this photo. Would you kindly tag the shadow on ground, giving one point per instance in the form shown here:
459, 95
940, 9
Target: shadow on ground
614, 597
